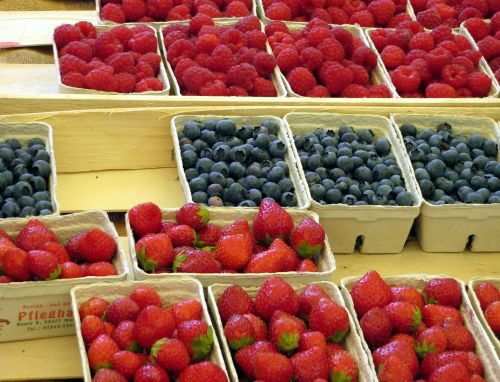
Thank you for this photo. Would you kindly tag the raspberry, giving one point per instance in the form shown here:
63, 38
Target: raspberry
335, 77
182, 66
429, 19
69, 63
445, 11
66, 33
236, 91
322, 14
495, 23
438, 58
379, 38
146, 19
497, 75
338, 16
275, 26
438, 90
345, 38
288, 59
158, 9
477, 28
355, 91
209, 29
221, 77
382, 11
363, 19
406, 79
379, 91
101, 79
198, 21
201, 59
311, 58
106, 44
175, 27
125, 82
296, 6
236, 9
180, 49
143, 43
87, 29
413, 54
174, 36
301, 44
180, 12
481, 5
400, 37
365, 57
248, 23
263, 88
233, 39
399, 20
462, 42
423, 69
134, 9
75, 79
221, 59
473, 55
479, 84
392, 56
489, 47
454, 75
301, 80
495, 64
210, 10
213, 89
494, 6
121, 62
319, 91
78, 49
153, 59
418, 5
122, 33
464, 62
317, 35
149, 84
206, 43
95, 63
142, 28
256, 39
469, 13
246, 55
413, 26
264, 63
142, 71
242, 75
360, 75
332, 50
195, 77
449, 46
423, 41
279, 11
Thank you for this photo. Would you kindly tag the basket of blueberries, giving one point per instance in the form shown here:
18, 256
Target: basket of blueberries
456, 164
359, 179
237, 161
27, 170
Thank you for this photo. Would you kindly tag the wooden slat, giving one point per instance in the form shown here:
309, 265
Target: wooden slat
29, 78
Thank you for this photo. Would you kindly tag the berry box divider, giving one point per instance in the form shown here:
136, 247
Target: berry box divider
483, 347
384, 229
40, 309
296, 173
473, 283
223, 216
353, 342
162, 74
24, 132
378, 75
275, 77
447, 228
171, 291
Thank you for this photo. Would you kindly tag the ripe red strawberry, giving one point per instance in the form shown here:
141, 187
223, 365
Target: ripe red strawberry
149, 373
431, 340
310, 364
259, 326
43, 265
245, 356
239, 332
108, 328
285, 331
33, 235
309, 297
394, 370
16, 264
127, 363
101, 268
273, 367
208, 236
476, 378
290, 258
234, 252
194, 215
492, 316
234, 300
72, 246
167, 226
124, 336
122, 309
154, 251
407, 294
5, 279
271, 222
57, 249
458, 337
397, 348
108, 375
5, 235
486, 294
405, 317
93, 306
329, 318
145, 218
275, 294
203, 371
96, 245
70, 270
307, 238
435, 315
197, 336
455, 372
370, 291
342, 367
196, 261
238, 227
307, 265
182, 235
443, 291
171, 354
100, 352
376, 326
5, 246
91, 328
270, 261
187, 310
145, 295
152, 324
308, 340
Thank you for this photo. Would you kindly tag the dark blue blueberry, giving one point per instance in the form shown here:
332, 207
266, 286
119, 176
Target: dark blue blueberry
199, 145
304, 158
373, 160
25, 201
378, 200
354, 190
361, 154
221, 153
220, 167
317, 149
331, 149
260, 155
380, 172
363, 174
15, 144
41, 168
238, 154
424, 134
421, 173
6, 154
36, 141
368, 195
20, 169
430, 157
363, 186
349, 200
198, 184
480, 161
192, 130
254, 169
188, 147
299, 141
271, 190
427, 187
328, 184
204, 165
233, 141
314, 162
384, 190
206, 153
184, 142
271, 125
485, 193
10, 209
241, 181
386, 182
260, 130
445, 184
200, 197
424, 147
396, 180
476, 152
450, 156
490, 148
494, 199
254, 195
310, 142
229, 181
475, 141
474, 198
27, 211
3, 183
322, 172
404, 198
357, 162
236, 170
463, 192
210, 137
41, 195
382, 146
235, 193
397, 189
461, 183
436, 140
22, 188
345, 163
408, 129
215, 190
348, 137
215, 201
317, 192
329, 159
344, 129
437, 194
342, 186
288, 199
451, 175
344, 151
245, 132
262, 141
333, 196
436, 168
329, 141
247, 203
336, 173
365, 135
345, 145
493, 184
467, 174
478, 182
283, 165
217, 178
251, 181
277, 149
225, 127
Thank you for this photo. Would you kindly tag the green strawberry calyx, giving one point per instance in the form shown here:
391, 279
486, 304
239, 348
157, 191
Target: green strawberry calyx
104, 365
306, 250
241, 342
204, 215
55, 273
288, 342
157, 346
202, 345
416, 318
179, 259
337, 337
335, 376
144, 262
424, 348
134, 347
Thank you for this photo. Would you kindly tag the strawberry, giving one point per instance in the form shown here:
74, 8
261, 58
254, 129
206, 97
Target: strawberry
72, 246
154, 251
93, 306
407, 294
43, 265
100, 352
70, 270
271, 261
307, 265
234, 300
474, 364
434, 315
167, 226
285, 331
342, 367
194, 215
239, 332
443, 291
290, 258
145, 295
431, 340
458, 337
187, 310
234, 251
124, 336
455, 372
197, 336
434, 361
400, 349
307, 238
108, 375
127, 363
275, 294
16, 264
96, 245
33, 235
310, 364
492, 316
329, 318
150, 373
309, 297
57, 249
108, 328
182, 235
376, 326
171, 354
245, 356
238, 227
5, 246
394, 370
101, 268
486, 293
273, 367
308, 340
145, 218
4, 235
152, 324
91, 328
196, 261
122, 309
6, 279
203, 371
476, 378
271, 222
403, 337
259, 326
370, 291
404, 316
208, 236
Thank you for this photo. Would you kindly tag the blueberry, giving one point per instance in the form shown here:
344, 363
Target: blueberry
10, 209
436, 168
461, 183
378, 200
251, 181
477, 182
262, 141
450, 156
312, 177
333, 196
329, 159
215, 190
349, 200
354, 190
329, 141
210, 137
277, 149
288, 199
200, 197
206, 153
238, 154
271, 125
475, 141
384, 190
484, 192
254, 195
322, 172
3, 166
41, 168
344, 151
490, 148
342, 186
404, 198
361, 154
204, 165
221, 153
259, 155
493, 184
494, 199
467, 174
421, 173
42, 195
217, 178
345, 163
299, 141
22, 188
424, 134
188, 147
451, 175
15, 144
427, 187
344, 129
357, 162
474, 198
225, 127
437, 194
365, 135
3, 183
363, 173
232, 141
310, 142
6, 154
408, 129
476, 152
396, 180
235, 193
189, 159
304, 158
348, 137
314, 162
229, 181
317, 192
271, 190
27, 211
192, 130
20, 169
336, 173
199, 145
215, 201
382, 146
444, 184
397, 190
184, 141
496, 172
480, 161
373, 160
247, 203
198, 184
380, 172
328, 184
36, 141
368, 195
463, 192
436, 140
25, 201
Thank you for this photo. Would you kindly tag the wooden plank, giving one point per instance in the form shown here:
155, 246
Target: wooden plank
27, 78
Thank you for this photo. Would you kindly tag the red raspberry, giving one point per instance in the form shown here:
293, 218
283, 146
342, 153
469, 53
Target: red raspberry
74, 79
246, 55
195, 77
365, 57
95, 63
338, 17
180, 49
469, 13
423, 41
497, 75
355, 91
466, 63
256, 39
334, 76
175, 27
419, 5
264, 63
473, 55
206, 43
242, 75
69, 63
413, 54
221, 77
446, 12
236, 91
379, 91
66, 33
346, 39
263, 88
423, 69
399, 37
209, 29
180, 12
454, 75
379, 38
321, 14
438, 90
301, 80
181, 67
489, 47
199, 21
363, 19
317, 35
382, 11
248, 3
121, 62
113, 12
221, 59
173, 36
122, 34
106, 44
210, 10
248, 23
354, 6
438, 58
78, 49
495, 22
481, 5
406, 79
143, 43
101, 79
288, 59
495, 64
236, 9
149, 84
153, 59
319, 91
477, 28
233, 39
311, 58
399, 21
143, 70
360, 75
429, 19
462, 42
479, 84
88, 30
392, 56
125, 82
275, 26
213, 89
413, 26
449, 46
158, 9
332, 50
134, 9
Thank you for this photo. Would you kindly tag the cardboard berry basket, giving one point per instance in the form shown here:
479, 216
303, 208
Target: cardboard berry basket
171, 291
26, 131
222, 216
162, 74
483, 349
39, 309
352, 341
450, 227
382, 229
378, 74
296, 174
275, 77
482, 67
473, 283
